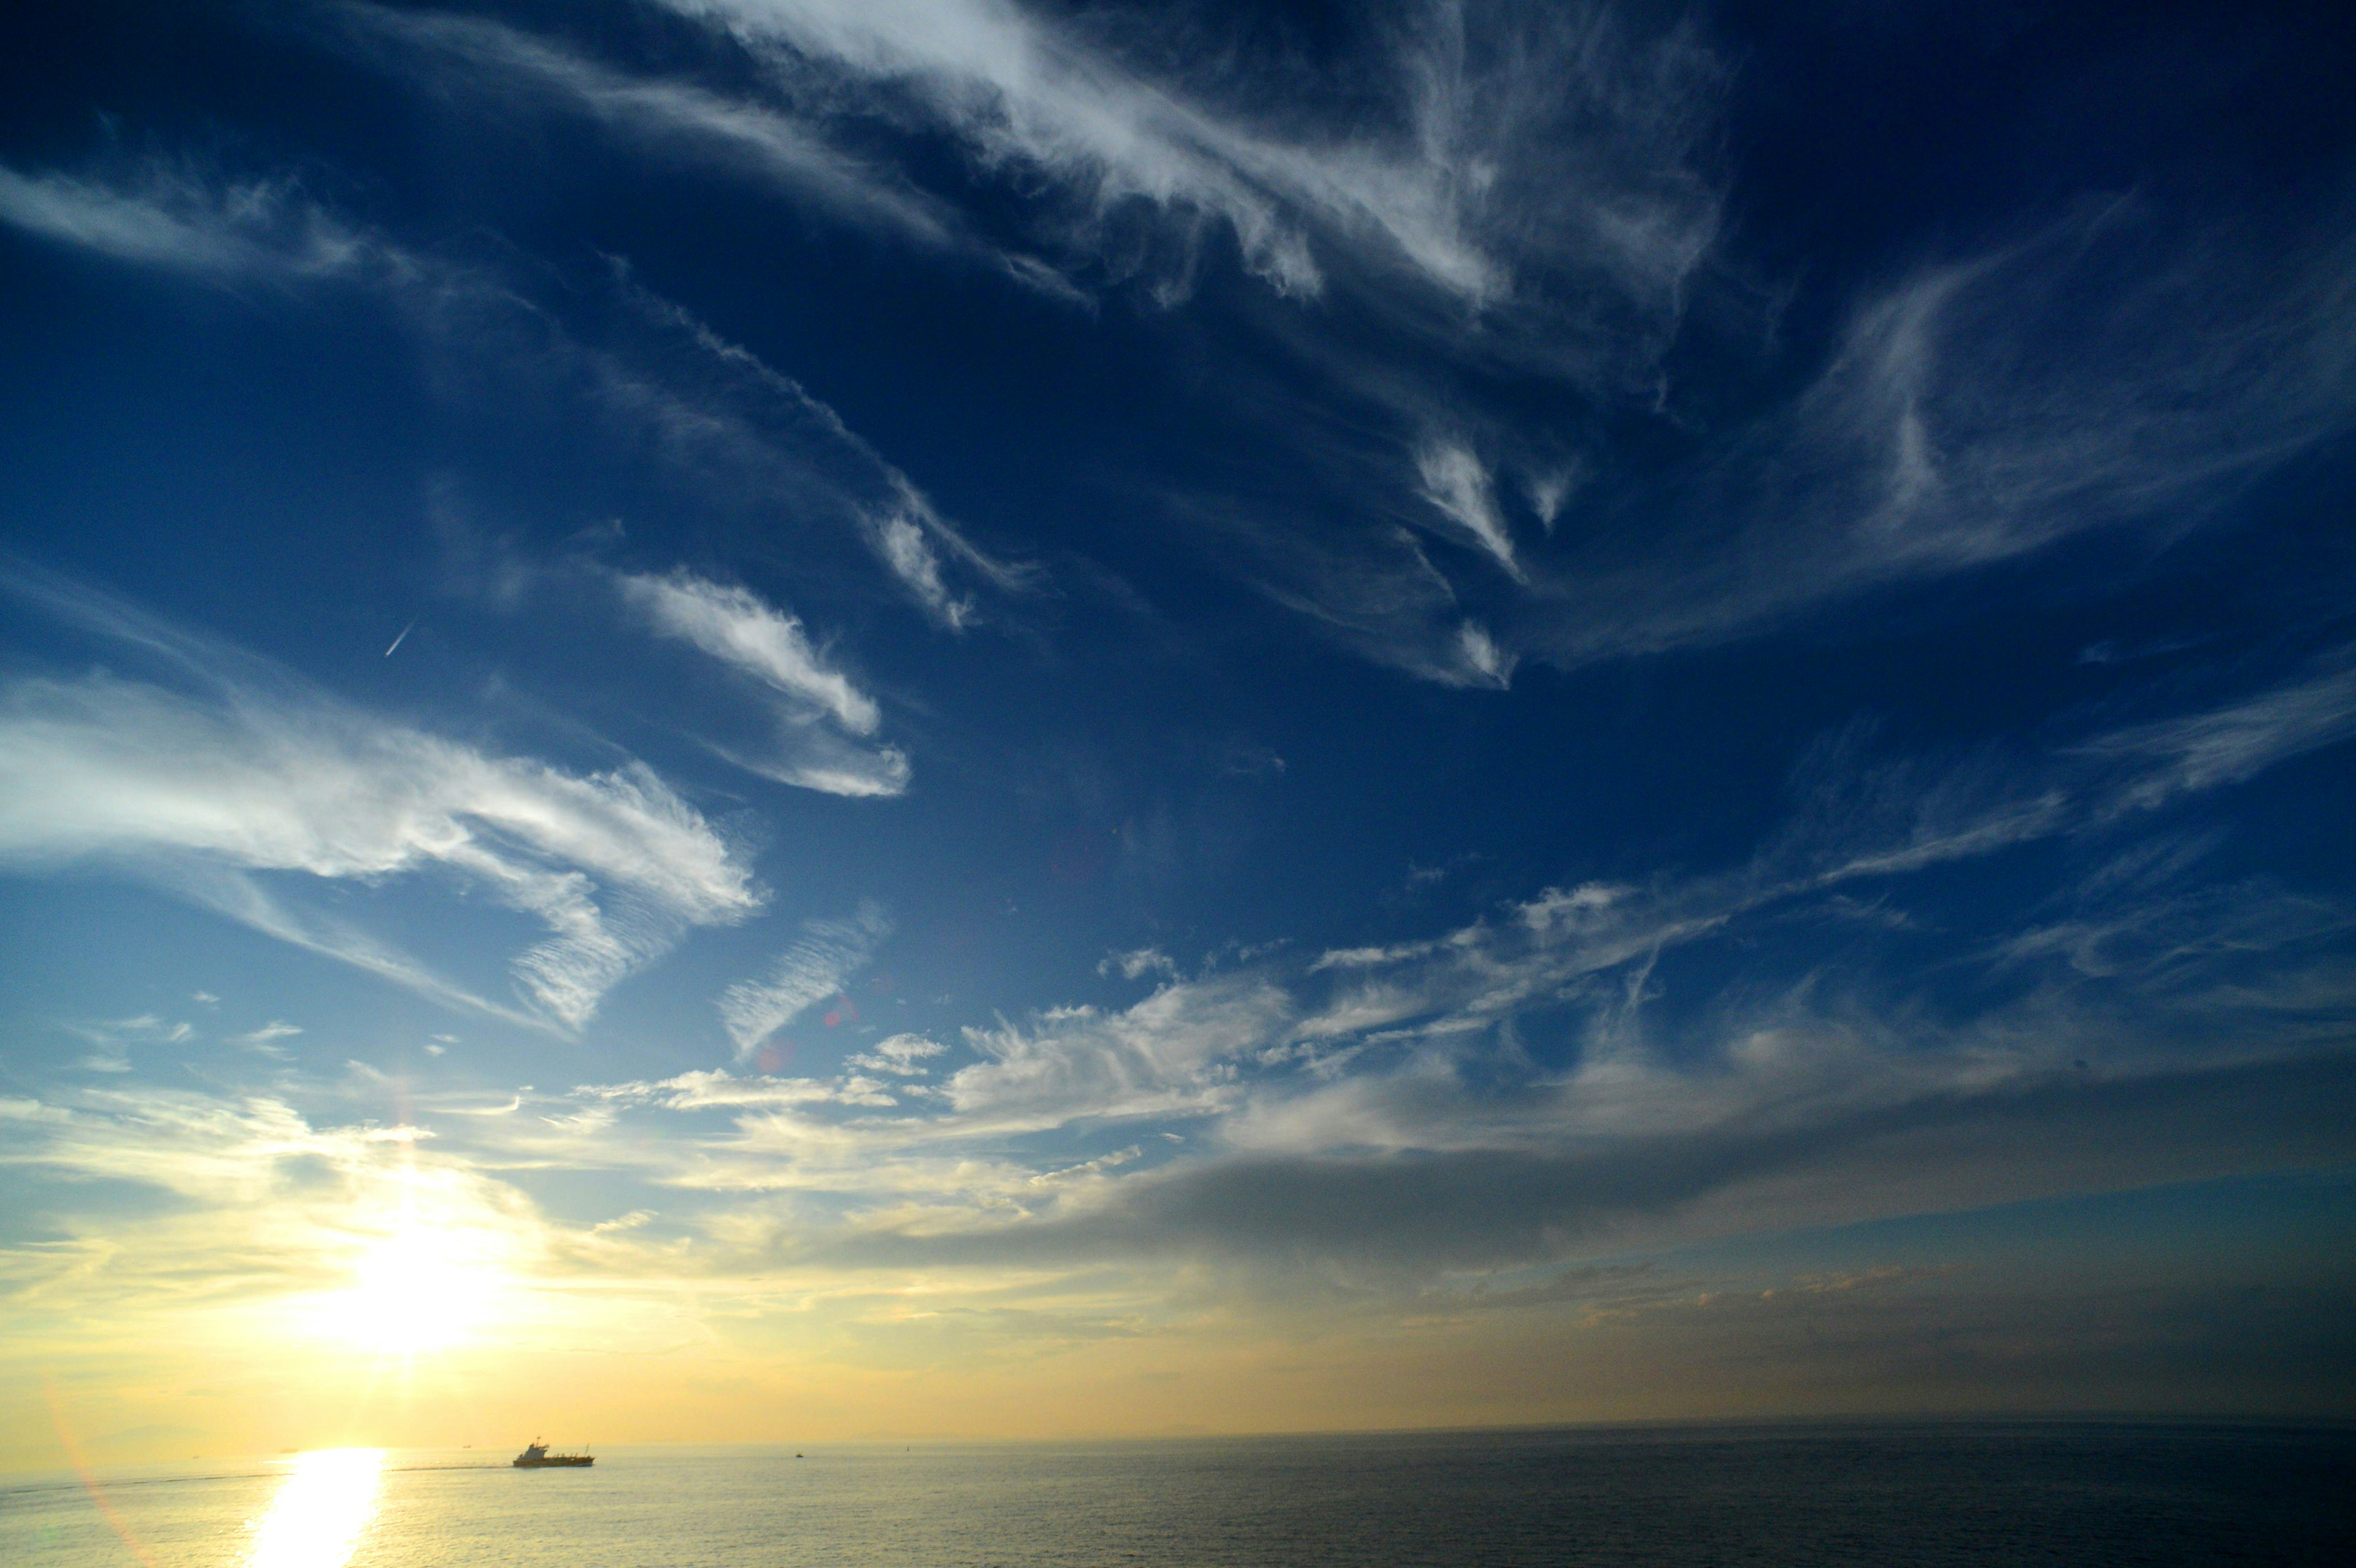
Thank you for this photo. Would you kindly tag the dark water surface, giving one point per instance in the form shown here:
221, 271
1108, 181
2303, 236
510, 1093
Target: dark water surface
2025, 1493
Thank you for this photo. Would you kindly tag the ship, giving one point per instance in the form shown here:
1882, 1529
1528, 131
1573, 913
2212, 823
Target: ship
536, 1457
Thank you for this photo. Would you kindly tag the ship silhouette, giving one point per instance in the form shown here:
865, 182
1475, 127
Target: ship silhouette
536, 1457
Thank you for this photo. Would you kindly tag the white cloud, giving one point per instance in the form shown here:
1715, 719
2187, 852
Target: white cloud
1548, 491
1138, 964
734, 627
1984, 409
910, 557
821, 762
256, 773
1493, 665
911, 537
704, 394
1497, 135
2239, 740
1981, 411
265, 1038
709, 1089
1498, 186
1852, 821
114, 1036
171, 218
197, 1144
1171, 1054
1022, 93
902, 1055
662, 114
1406, 1090
2154, 939
815, 967
668, 376
759, 641
146, 1029
1458, 484
1369, 957
1086, 1168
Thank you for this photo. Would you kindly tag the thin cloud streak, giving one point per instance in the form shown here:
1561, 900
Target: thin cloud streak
258, 230
721, 396
677, 119
449, 50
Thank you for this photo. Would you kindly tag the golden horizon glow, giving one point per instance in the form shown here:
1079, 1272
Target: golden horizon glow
320, 1512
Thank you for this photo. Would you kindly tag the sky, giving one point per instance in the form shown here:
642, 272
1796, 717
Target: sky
777, 719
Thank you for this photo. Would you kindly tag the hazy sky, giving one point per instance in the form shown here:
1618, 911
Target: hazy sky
809, 718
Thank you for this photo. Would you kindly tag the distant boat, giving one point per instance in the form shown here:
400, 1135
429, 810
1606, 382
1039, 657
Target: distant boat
536, 1457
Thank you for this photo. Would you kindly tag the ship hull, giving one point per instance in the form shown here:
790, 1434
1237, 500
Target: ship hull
571, 1462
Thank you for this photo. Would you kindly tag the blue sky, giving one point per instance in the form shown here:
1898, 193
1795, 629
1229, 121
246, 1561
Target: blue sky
1026, 704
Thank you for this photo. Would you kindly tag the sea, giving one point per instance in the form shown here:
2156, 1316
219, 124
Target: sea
1684, 1497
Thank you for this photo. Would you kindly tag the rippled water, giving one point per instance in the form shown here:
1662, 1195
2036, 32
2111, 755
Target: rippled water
2078, 1494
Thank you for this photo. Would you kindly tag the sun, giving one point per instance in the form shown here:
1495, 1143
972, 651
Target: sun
420, 1288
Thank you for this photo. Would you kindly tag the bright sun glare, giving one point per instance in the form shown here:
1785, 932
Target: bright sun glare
321, 1510
417, 1290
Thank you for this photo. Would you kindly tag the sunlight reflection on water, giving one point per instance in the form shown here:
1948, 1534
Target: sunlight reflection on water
321, 1511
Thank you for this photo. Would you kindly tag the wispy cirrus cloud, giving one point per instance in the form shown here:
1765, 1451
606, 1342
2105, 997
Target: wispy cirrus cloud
1987, 408
676, 119
1171, 1054
1137, 963
264, 1040
901, 1055
2225, 746
240, 771
1852, 820
1977, 411
704, 395
113, 1038
1382, 1109
1549, 173
1971, 415
455, 51
738, 629
752, 436
1458, 484
770, 647
1497, 185
231, 231
815, 966
1481, 136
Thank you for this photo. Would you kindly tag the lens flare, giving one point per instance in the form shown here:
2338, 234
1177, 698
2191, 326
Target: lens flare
320, 1513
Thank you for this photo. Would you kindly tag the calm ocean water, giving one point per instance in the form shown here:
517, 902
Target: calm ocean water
2013, 1494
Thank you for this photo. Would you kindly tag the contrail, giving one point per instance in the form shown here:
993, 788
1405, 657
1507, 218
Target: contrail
404, 632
